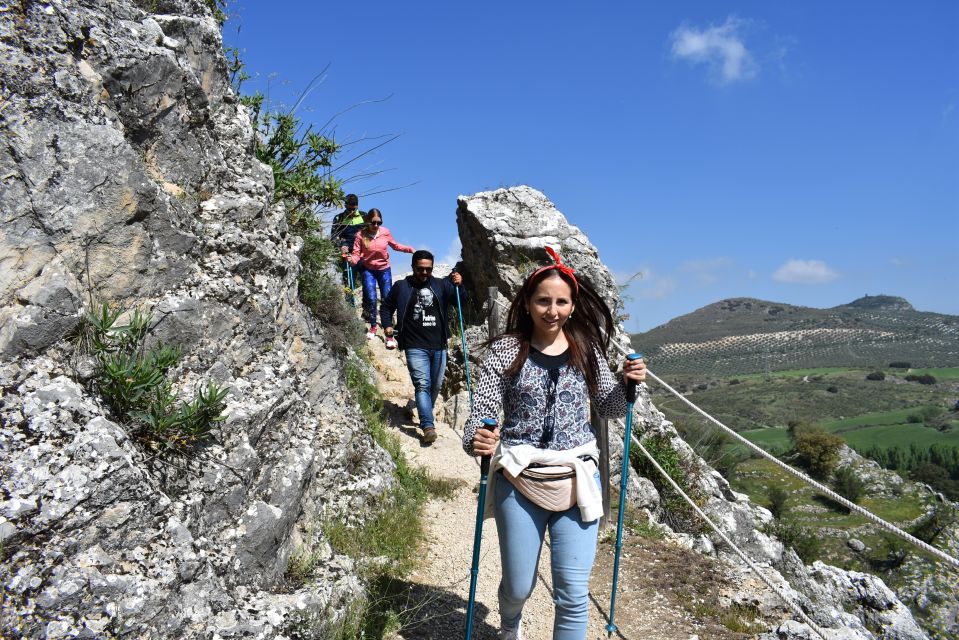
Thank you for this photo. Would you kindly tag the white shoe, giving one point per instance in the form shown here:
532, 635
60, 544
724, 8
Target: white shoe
371, 334
511, 634
390, 342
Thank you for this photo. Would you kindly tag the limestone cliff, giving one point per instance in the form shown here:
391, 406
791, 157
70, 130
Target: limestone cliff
128, 175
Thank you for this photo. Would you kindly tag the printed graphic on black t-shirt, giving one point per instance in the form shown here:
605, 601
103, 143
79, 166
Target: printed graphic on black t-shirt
422, 322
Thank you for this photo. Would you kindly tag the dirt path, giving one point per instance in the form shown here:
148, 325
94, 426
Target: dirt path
656, 589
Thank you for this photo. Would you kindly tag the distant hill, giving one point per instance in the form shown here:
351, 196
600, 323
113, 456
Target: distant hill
746, 335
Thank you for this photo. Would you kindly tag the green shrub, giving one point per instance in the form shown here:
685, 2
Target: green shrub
676, 511
819, 450
941, 517
796, 427
848, 484
778, 499
792, 534
133, 382
742, 618
889, 554
876, 375
302, 162
321, 291
900, 365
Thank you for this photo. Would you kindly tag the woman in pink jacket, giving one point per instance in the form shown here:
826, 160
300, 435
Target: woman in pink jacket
371, 247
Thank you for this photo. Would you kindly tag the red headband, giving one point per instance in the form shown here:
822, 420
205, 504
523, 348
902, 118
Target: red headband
559, 266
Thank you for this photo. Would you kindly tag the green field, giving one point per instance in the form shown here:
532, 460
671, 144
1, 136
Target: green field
902, 435
883, 429
899, 416
941, 375
837, 399
754, 477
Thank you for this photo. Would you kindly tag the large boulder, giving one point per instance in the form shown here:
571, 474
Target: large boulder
504, 233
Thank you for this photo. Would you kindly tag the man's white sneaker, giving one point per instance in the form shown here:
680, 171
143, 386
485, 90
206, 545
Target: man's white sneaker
371, 334
511, 634
391, 342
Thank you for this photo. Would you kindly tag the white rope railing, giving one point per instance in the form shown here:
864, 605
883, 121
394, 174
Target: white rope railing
938, 553
762, 576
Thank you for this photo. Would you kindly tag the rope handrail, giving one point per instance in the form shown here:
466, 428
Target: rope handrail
938, 553
789, 603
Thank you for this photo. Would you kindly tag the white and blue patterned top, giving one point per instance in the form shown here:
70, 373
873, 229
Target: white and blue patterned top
529, 401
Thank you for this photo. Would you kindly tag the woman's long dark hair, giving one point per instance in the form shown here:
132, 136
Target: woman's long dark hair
588, 327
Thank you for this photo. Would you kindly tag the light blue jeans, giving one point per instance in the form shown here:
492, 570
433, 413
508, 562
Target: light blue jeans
522, 526
427, 368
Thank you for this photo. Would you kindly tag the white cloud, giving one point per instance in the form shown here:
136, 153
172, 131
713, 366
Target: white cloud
719, 47
805, 272
706, 271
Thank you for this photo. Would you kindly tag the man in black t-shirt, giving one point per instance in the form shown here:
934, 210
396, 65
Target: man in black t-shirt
420, 303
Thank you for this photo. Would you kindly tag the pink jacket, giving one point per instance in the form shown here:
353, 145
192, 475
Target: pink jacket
374, 251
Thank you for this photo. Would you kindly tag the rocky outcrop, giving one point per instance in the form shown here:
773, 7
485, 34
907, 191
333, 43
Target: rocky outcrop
503, 233
128, 176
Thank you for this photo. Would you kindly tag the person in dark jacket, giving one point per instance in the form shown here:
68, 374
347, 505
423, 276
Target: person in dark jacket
343, 230
421, 303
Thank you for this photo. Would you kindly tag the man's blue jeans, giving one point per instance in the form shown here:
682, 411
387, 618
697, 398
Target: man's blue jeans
371, 278
427, 368
521, 526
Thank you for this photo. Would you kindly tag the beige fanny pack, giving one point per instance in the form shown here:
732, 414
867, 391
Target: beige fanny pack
550, 487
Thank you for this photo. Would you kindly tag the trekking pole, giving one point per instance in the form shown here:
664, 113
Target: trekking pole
349, 279
466, 359
623, 480
478, 532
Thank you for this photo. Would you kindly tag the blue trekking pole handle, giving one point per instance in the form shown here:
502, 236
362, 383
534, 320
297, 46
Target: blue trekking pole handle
623, 483
488, 424
466, 360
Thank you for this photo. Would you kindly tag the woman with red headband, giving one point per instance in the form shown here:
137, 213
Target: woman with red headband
541, 374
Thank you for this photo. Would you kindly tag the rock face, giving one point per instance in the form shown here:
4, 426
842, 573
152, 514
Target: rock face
503, 233
128, 176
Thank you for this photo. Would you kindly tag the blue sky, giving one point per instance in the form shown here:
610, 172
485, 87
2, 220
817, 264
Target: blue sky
804, 152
